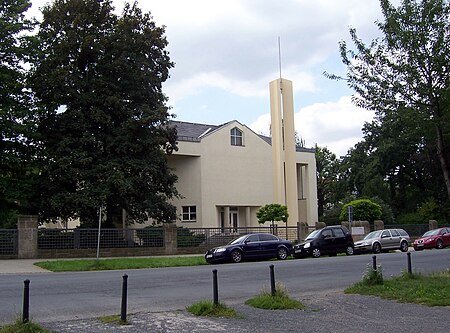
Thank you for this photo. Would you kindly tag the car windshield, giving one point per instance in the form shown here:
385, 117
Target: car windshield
313, 234
431, 233
373, 234
237, 240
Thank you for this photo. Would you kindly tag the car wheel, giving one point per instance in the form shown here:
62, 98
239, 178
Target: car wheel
349, 251
376, 248
316, 253
404, 246
236, 256
282, 253
439, 244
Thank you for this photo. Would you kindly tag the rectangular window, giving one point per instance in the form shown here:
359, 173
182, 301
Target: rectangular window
189, 214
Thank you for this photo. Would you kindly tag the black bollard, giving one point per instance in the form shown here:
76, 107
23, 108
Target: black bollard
123, 310
409, 263
26, 301
215, 288
374, 263
272, 281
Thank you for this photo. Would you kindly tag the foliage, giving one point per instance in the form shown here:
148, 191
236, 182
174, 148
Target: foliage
151, 236
188, 238
279, 301
272, 212
363, 210
431, 290
20, 327
104, 124
209, 309
17, 149
372, 276
404, 78
328, 191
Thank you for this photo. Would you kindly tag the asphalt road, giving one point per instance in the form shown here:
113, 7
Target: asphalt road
63, 296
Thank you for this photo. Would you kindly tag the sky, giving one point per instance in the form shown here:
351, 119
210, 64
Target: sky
227, 51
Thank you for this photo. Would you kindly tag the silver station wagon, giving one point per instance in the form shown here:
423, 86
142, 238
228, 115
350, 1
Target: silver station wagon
384, 240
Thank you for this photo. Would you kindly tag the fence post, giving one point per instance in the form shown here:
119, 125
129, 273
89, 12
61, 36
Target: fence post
123, 309
374, 263
170, 238
409, 263
215, 288
26, 301
272, 281
27, 227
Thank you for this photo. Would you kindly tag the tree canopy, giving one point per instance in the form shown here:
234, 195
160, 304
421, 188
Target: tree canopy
104, 124
272, 212
404, 77
403, 160
17, 172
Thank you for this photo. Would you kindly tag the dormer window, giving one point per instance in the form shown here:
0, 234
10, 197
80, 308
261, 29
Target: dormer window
236, 137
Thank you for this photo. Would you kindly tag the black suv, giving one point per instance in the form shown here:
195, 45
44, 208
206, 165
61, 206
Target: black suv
329, 240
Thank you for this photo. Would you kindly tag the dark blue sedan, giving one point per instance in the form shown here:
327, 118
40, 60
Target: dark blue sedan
250, 247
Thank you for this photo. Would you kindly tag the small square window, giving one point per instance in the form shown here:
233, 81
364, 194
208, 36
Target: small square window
189, 214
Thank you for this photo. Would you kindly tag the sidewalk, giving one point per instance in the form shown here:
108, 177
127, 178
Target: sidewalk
18, 266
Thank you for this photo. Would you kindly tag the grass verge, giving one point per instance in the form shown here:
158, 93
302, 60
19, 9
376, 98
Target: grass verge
279, 301
431, 290
19, 327
120, 263
209, 309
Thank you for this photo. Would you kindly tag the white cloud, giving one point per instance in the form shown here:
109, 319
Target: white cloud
336, 126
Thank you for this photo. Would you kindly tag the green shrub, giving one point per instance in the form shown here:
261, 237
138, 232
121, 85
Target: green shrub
363, 210
209, 309
372, 276
279, 301
187, 238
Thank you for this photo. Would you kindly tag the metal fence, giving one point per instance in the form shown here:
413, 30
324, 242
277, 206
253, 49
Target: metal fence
210, 237
8, 241
109, 238
414, 230
151, 237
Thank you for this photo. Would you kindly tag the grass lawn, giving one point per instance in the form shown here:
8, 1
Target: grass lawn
431, 290
120, 263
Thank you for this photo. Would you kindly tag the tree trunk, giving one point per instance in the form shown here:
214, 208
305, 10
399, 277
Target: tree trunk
443, 158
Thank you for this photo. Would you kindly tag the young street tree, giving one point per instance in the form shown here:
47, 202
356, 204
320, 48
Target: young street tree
16, 151
405, 78
105, 127
272, 212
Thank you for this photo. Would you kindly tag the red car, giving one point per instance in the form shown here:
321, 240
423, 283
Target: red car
436, 238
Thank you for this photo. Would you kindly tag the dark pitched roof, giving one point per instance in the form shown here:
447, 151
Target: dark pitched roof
194, 132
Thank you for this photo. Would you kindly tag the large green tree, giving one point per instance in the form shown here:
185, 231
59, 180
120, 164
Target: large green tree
328, 189
105, 128
17, 172
404, 77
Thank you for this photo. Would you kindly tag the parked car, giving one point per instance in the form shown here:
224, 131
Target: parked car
329, 240
251, 246
436, 238
384, 240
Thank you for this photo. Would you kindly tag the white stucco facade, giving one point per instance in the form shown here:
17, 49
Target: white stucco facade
224, 179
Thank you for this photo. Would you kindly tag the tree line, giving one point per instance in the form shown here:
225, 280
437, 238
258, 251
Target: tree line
403, 161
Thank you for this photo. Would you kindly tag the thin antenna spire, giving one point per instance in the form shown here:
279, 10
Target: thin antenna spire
279, 54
